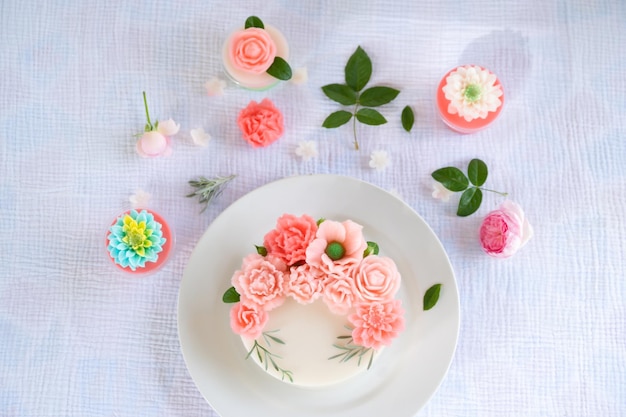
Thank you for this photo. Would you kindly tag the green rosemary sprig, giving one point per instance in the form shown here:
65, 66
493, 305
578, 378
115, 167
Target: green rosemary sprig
350, 350
266, 357
208, 189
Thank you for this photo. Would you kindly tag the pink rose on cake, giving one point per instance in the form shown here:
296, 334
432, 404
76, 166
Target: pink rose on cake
261, 123
505, 230
289, 240
248, 319
261, 280
336, 244
376, 278
339, 292
252, 50
377, 324
304, 284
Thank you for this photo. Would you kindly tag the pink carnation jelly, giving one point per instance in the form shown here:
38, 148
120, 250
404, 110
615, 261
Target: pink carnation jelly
289, 240
261, 123
377, 324
261, 280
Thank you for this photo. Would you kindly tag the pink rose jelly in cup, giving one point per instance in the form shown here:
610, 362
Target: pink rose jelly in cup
247, 53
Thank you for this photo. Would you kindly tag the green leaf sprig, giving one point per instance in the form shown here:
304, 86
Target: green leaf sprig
455, 180
280, 68
431, 296
266, 357
358, 71
349, 350
207, 189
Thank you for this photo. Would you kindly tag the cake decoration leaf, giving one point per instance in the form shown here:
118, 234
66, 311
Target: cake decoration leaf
261, 250
266, 357
350, 350
254, 22
231, 296
431, 296
280, 69
408, 118
372, 249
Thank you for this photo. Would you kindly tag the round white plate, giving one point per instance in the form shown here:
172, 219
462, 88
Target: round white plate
405, 375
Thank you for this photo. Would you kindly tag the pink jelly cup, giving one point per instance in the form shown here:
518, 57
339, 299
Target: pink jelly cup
163, 256
458, 123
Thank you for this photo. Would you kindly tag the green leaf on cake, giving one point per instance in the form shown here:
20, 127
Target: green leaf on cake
408, 118
254, 22
340, 93
358, 70
377, 96
477, 172
432, 296
261, 250
370, 117
452, 178
280, 69
337, 119
372, 249
231, 296
469, 202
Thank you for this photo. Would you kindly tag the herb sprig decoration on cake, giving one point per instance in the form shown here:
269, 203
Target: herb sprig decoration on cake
358, 72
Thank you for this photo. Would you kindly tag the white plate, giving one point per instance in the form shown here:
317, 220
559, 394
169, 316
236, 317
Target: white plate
405, 375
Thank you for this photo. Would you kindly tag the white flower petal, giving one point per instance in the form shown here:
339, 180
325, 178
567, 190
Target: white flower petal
139, 199
440, 192
300, 76
306, 149
200, 137
215, 87
168, 127
379, 160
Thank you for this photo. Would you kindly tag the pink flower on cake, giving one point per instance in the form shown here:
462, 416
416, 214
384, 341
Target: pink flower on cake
505, 230
261, 123
261, 280
304, 284
338, 291
289, 240
377, 324
252, 50
336, 244
376, 278
248, 319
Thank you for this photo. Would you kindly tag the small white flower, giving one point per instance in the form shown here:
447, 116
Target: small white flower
440, 192
168, 128
215, 87
472, 92
379, 160
200, 137
139, 199
300, 76
306, 149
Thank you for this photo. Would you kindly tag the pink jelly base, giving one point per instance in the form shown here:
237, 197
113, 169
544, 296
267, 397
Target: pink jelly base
456, 122
163, 255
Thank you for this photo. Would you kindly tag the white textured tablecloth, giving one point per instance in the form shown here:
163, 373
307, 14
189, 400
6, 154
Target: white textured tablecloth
542, 333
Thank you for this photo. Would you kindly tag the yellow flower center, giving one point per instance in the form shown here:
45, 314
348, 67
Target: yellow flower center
135, 235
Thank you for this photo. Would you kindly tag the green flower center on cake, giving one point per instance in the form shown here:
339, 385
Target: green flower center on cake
335, 251
472, 92
137, 236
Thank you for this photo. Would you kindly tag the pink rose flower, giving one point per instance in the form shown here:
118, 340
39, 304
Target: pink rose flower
336, 244
157, 142
304, 284
252, 50
261, 280
505, 230
261, 123
376, 278
289, 240
339, 292
248, 319
377, 324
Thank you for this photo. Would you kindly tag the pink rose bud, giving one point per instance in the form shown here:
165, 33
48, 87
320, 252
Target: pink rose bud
505, 230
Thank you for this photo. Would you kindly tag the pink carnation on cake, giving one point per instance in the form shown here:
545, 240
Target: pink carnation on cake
376, 278
339, 292
252, 50
289, 240
505, 230
304, 284
261, 280
336, 243
261, 123
248, 319
377, 324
